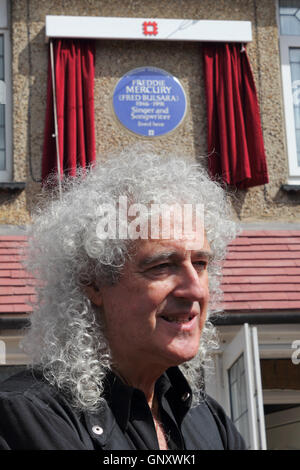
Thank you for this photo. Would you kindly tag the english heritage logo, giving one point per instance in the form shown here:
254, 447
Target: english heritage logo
150, 28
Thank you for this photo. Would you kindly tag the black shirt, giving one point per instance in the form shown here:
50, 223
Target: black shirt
35, 415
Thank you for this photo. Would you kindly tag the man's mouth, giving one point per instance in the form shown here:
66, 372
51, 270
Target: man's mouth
178, 318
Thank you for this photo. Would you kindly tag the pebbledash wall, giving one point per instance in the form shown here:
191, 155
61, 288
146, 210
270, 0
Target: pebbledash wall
113, 59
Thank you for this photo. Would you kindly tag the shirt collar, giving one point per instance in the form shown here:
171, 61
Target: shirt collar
118, 396
171, 385
179, 395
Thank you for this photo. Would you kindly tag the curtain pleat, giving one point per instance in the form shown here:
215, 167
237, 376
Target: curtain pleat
74, 80
236, 152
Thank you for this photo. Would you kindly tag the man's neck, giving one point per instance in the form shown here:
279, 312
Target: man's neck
143, 382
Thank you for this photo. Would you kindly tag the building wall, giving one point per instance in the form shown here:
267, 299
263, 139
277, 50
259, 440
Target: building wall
113, 59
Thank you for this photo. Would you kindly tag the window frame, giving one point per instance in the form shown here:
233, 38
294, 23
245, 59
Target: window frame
287, 42
267, 341
245, 343
7, 174
241, 340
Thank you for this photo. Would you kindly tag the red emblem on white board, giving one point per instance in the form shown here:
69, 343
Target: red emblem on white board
150, 28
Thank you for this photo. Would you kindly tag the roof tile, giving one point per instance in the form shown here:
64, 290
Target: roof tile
260, 279
12, 238
251, 263
16, 285
261, 271
262, 247
262, 255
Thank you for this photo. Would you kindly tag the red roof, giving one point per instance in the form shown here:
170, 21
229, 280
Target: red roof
16, 285
261, 272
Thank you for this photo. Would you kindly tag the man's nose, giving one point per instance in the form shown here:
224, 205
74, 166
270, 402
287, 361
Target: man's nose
191, 284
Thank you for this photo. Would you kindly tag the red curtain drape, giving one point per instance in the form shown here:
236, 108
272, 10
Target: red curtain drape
74, 79
235, 141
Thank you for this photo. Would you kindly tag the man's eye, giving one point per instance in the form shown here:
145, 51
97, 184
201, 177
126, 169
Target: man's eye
200, 265
162, 269
159, 267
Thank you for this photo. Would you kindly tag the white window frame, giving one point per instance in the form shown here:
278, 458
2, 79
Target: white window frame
286, 42
246, 343
270, 342
243, 340
6, 175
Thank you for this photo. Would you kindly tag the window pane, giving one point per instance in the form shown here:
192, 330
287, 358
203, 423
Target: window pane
2, 115
295, 73
237, 388
238, 397
289, 11
2, 138
243, 393
235, 411
243, 427
2, 160
294, 54
289, 25
289, 4
233, 374
3, 163
1, 57
298, 141
1, 68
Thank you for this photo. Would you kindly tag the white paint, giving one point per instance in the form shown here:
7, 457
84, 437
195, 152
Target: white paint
132, 29
245, 342
2, 92
286, 42
258, 395
6, 175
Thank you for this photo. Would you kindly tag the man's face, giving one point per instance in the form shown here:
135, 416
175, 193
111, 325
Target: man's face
155, 314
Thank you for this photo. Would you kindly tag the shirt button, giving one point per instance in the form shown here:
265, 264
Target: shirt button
185, 396
97, 430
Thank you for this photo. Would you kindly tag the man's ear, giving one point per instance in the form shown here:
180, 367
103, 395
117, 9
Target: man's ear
94, 294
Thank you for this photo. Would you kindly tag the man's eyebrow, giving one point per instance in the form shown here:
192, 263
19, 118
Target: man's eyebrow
167, 255
158, 257
203, 254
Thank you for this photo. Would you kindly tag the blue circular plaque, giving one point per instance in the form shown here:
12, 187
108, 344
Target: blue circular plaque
149, 101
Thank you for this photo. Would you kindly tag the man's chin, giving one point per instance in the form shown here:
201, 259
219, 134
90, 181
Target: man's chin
179, 356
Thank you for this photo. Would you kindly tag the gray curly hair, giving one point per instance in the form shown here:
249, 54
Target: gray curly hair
66, 338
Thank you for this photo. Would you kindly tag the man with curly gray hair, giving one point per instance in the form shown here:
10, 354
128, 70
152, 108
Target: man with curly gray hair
128, 263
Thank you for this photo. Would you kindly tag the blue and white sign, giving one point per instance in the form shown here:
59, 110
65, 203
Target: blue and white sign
149, 101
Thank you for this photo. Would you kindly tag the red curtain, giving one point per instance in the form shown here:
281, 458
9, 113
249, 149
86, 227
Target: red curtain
74, 79
235, 140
